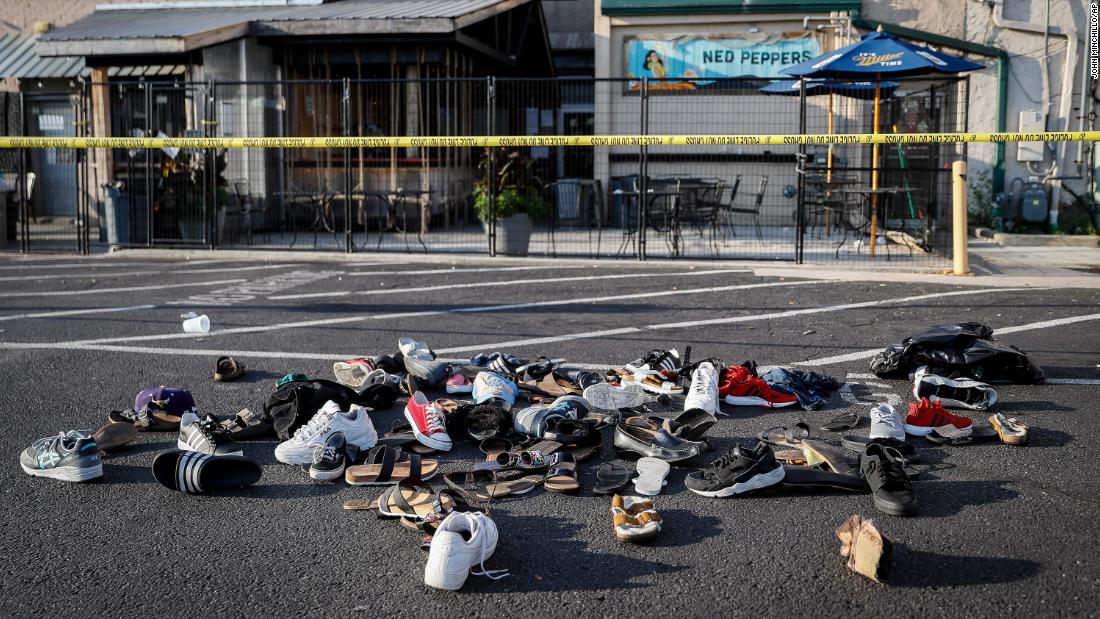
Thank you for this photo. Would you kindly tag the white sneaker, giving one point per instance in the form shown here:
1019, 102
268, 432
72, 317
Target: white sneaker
886, 423
703, 394
355, 424
492, 386
452, 555
608, 397
412, 348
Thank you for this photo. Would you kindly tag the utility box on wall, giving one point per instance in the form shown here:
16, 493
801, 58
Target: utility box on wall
1030, 122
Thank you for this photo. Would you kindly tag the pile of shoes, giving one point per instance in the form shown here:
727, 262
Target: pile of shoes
537, 422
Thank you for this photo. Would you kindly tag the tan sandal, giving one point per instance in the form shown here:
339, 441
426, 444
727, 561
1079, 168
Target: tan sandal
389, 465
635, 519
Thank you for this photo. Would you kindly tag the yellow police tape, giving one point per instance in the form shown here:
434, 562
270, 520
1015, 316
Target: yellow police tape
545, 140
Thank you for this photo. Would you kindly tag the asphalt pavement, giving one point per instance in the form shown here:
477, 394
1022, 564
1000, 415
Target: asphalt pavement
1006, 531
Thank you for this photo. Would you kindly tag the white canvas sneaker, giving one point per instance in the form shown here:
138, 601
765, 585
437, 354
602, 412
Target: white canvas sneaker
886, 423
703, 394
355, 424
453, 555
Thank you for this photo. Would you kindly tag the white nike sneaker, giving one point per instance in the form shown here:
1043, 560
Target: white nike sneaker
355, 424
703, 394
886, 423
453, 554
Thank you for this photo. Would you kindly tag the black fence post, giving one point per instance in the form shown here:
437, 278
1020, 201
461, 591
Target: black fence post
346, 122
81, 163
491, 169
148, 165
24, 211
211, 214
643, 167
800, 170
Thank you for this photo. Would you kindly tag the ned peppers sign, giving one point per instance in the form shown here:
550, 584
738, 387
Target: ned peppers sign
716, 56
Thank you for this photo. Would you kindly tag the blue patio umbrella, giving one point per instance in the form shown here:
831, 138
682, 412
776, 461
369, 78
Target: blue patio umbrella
874, 55
877, 54
855, 90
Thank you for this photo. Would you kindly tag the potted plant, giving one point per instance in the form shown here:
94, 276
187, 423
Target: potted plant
183, 187
518, 198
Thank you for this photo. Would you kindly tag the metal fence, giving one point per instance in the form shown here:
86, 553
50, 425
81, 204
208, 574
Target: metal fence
812, 204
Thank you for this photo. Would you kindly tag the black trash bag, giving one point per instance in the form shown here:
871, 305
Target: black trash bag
294, 403
966, 349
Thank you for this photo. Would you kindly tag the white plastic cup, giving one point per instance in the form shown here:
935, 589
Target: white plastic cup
198, 324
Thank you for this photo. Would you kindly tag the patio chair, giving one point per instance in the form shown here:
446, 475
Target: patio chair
730, 209
701, 206
577, 204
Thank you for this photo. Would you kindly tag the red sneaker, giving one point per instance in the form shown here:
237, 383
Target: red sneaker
427, 423
926, 415
740, 388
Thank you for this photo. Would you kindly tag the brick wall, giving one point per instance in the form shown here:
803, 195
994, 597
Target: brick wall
20, 15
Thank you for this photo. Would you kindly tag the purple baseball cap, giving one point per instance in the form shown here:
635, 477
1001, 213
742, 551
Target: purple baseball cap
171, 400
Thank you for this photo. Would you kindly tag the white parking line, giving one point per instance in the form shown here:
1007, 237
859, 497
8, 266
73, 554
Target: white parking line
97, 310
1073, 381
25, 278
454, 310
67, 293
714, 321
494, 284
478, 270
1044, 324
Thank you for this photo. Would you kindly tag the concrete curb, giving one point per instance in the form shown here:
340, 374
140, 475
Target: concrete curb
1006, 239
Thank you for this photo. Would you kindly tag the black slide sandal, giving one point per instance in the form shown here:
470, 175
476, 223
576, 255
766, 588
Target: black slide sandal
198, 473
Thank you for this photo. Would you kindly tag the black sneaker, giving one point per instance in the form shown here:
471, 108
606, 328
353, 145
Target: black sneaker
656, 361
891, 490
750, 466
71, 456
206, 436
330, 460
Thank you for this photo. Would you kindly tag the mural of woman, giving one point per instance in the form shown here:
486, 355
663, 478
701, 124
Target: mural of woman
654, 65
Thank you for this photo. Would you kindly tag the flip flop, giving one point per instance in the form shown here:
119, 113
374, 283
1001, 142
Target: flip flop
802, 477
842, 422
411, 498
611, 478
781, 436
651, 476
114, 435
562, 476
819, 453
388, 465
